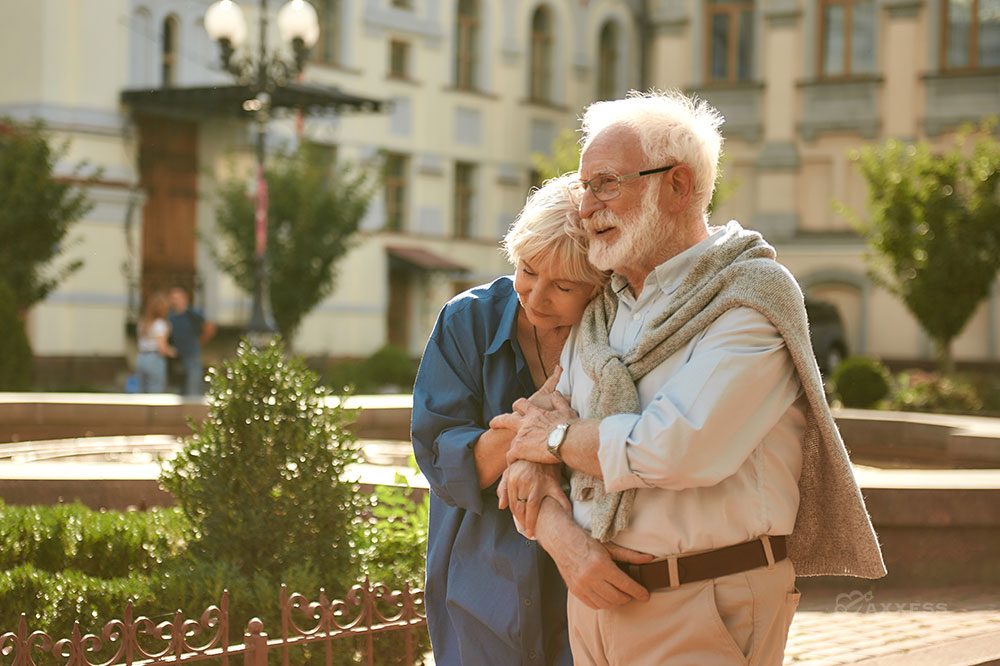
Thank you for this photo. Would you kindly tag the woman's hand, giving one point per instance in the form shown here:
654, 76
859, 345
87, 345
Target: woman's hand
543, 396
524, 486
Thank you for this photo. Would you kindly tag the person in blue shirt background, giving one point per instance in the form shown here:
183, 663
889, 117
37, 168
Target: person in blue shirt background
189, 330
492, 596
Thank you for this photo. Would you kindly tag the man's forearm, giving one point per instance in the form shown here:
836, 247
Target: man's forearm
583, 441
556, 531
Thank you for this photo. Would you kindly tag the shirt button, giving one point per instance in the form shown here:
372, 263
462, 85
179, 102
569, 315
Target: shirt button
531, 654
527, 602
636, 317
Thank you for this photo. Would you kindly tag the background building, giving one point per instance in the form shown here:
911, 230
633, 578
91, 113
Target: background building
474, 88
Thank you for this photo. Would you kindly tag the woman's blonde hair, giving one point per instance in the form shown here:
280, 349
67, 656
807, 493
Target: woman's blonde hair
549, 226
157, 306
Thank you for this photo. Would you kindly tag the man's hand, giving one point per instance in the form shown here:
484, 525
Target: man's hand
533, 425
587, 566
523, 488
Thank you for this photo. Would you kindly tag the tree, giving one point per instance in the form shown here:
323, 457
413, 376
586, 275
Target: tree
36, 211
262, 479
565, 156
15, 361
934, 227
313, 210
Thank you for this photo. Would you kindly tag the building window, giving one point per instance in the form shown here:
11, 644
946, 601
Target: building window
607, 66
847, 38
395, 191
328, 46
971, 35
730, 40
465, 193
467, 34
540, 87
168, 53
399, 59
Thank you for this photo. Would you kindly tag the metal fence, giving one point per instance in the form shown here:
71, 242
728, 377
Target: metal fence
366, 611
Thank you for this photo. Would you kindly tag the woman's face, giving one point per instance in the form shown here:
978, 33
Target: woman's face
549, 299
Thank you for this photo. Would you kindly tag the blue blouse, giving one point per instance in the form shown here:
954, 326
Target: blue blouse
492, 596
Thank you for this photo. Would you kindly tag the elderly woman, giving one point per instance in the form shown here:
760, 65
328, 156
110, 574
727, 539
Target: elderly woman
492, 596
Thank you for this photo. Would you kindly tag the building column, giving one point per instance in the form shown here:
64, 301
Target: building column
777, 216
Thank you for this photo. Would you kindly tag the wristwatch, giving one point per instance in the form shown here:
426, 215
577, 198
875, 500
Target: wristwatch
557, 438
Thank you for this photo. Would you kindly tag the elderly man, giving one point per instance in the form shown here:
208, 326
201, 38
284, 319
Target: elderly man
705, 439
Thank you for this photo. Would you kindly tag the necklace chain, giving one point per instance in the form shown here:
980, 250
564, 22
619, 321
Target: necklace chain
538, 350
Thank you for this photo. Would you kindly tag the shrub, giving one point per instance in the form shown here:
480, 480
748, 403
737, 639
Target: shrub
930, 392
391, 368
861, 382
15, 361
392, 544
388, 369
54, 601
101, 544
261, 479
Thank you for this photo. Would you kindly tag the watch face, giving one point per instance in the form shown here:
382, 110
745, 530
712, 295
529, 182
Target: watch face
556, 437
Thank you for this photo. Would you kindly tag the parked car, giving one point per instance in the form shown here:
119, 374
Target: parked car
826, 330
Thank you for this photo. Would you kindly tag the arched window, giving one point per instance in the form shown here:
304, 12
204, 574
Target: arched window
168, 52
607, 65
540, 84
467, 47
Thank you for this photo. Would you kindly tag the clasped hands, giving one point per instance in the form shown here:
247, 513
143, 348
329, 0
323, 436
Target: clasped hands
585, 564
532, 472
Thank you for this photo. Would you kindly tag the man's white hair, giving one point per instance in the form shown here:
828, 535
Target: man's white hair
672, 128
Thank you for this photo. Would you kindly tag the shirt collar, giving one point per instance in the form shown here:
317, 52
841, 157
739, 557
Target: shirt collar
506, 330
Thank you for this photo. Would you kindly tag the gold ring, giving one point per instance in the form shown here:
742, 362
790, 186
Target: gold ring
521, 499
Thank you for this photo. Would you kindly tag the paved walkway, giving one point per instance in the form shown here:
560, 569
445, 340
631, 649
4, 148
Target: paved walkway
926, 627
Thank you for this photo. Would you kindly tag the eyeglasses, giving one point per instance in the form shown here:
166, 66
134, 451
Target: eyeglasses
608, 186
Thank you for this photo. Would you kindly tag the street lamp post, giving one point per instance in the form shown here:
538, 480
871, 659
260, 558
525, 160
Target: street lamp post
299, 25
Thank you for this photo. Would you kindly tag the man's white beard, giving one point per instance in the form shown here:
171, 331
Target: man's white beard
639, 235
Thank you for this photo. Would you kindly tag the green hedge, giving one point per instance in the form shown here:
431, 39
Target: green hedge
106, 544
54, 601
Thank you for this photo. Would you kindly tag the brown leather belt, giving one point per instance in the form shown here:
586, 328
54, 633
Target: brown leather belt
761, 552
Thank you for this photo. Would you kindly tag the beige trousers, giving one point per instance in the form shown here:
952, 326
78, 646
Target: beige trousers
738, 619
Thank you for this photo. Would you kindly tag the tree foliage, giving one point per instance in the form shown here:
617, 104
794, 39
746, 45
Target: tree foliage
933, 229
36, 210
313, 210
15, 361
564, 156
262, 478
